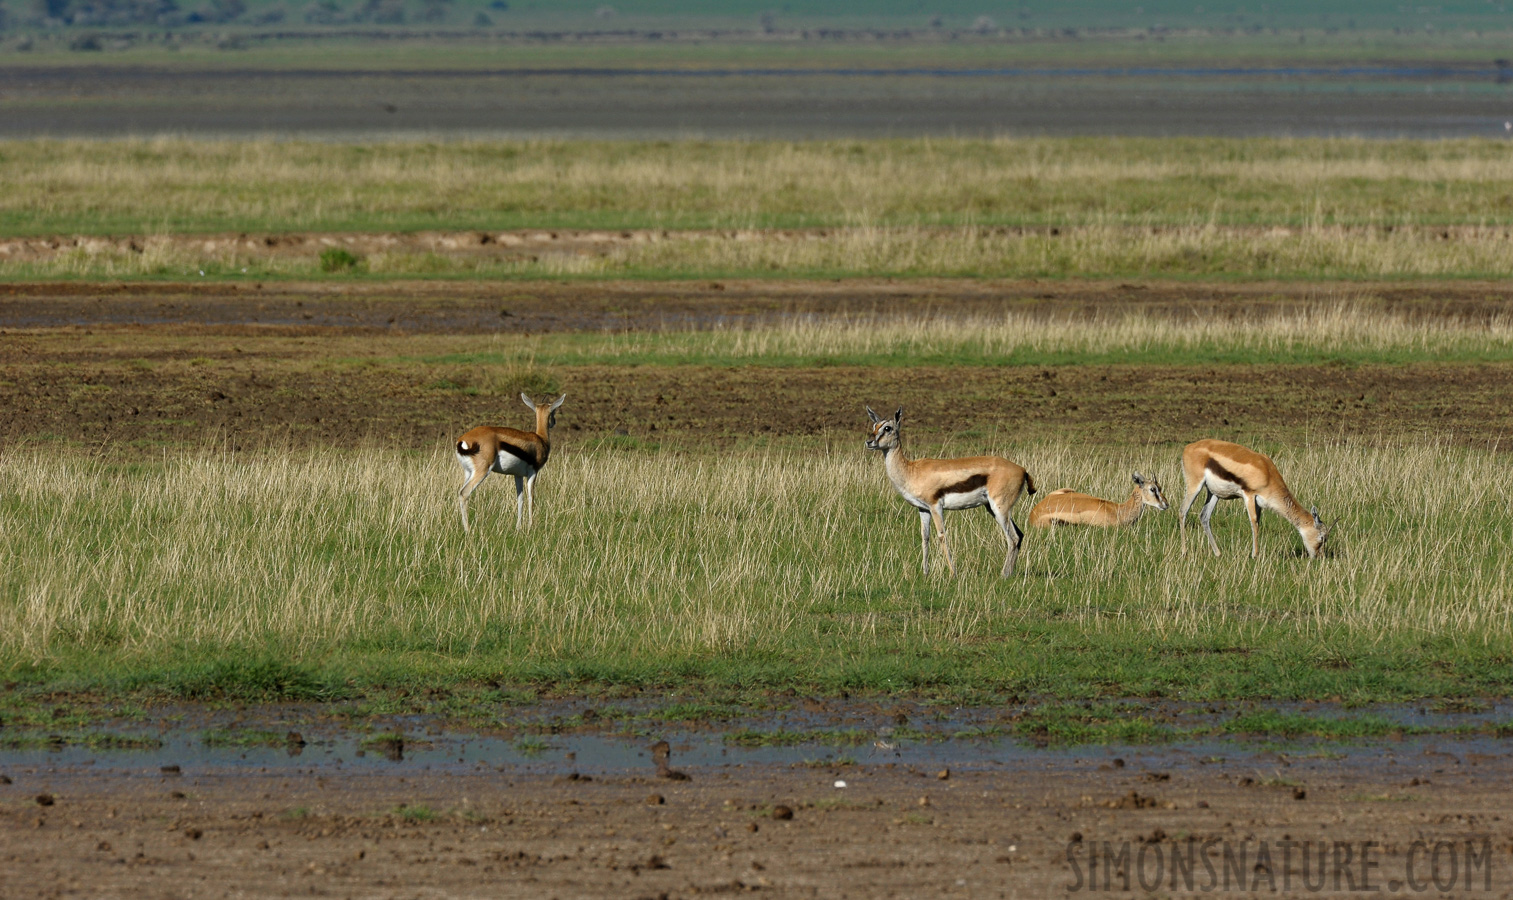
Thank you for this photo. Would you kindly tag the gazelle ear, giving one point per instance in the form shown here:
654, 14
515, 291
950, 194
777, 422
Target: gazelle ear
1139, 480
872, 415
527, 401
559, 402
898, 415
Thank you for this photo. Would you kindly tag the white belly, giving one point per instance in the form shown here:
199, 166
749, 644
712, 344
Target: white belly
968, 500
509, 464
1224, 490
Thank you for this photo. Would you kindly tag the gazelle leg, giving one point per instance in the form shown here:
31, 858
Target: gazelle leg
475, 478
1208, 513
1254, 513
530, 501
1187, 504
924, 540
1011, 533
519, 499
940, 528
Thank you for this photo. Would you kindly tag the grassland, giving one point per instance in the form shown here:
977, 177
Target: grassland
333, 572
1335, 333
1212, 251
179, 186
978, 208
749, 545
350, 569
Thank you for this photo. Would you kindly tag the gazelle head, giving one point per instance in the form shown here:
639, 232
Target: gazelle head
1320, 534
546, 416
1150, 491
884, 434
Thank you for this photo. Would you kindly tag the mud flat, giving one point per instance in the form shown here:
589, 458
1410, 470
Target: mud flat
454, 819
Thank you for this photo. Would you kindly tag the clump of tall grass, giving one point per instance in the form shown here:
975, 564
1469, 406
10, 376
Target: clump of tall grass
679, 562
337, 259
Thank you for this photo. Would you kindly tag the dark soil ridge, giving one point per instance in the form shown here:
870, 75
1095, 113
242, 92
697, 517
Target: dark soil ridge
96, 400
487, 307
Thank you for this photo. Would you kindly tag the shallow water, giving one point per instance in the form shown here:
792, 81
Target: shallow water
549, 739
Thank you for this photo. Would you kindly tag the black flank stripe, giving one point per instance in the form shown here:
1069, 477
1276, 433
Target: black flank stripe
966, 486
521, 453
1223, 473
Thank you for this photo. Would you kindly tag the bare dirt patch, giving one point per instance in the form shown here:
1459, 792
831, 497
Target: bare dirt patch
488, 307
143, 366
125, 398
893, 830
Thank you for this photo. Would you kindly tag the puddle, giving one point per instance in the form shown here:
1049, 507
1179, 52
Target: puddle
594, 737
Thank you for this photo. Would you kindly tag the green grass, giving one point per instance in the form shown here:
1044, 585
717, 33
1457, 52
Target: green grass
172, 186
1345, 333
93, 740
1010, 208
349, 573
1212, 252
1292, 725
751, 737
243, 737
532, 746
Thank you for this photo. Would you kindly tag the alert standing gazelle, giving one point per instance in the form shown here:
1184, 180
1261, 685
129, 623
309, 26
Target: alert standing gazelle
1067, 507
508, 452
1232, 472
935, 485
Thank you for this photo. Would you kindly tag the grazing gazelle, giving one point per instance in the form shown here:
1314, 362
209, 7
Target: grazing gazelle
935, 485
1067, 507
508, 452
1232, 472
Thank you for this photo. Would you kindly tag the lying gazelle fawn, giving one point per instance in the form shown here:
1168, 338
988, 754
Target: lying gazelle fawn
1232, 472
1067, 507
508, 452
935, 485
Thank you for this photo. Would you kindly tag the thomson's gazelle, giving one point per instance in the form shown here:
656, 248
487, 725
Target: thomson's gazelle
1232, 472
935, 485
1067, 507
508, 452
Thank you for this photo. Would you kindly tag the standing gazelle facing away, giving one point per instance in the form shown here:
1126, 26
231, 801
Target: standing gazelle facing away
1067, 507
508, 452
935, 485
1232, 472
